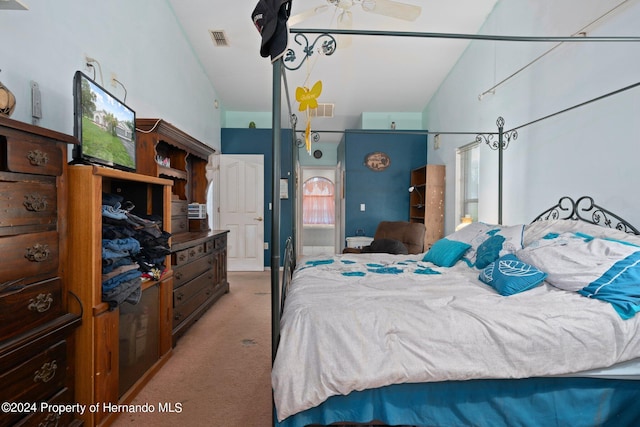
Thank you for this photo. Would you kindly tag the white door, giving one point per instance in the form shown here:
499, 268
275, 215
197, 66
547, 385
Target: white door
242, 210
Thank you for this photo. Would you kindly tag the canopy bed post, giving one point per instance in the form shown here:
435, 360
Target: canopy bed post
275, 201
500, 124
504, 138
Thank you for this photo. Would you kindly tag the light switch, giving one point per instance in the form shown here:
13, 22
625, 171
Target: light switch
362, 207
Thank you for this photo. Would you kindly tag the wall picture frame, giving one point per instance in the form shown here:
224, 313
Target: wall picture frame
377, 161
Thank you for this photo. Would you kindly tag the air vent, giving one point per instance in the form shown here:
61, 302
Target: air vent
219, 38
323, 110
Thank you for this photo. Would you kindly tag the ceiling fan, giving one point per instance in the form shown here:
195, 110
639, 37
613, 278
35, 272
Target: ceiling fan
388, 8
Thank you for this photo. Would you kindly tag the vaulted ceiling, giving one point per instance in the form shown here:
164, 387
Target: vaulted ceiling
366, 73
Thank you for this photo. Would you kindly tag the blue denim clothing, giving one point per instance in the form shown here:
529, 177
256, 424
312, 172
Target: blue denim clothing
120, 278
111, 199
114, 212
118, 248
110, 264
129, 291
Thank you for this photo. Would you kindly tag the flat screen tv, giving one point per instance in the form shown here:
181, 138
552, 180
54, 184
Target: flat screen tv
104, 126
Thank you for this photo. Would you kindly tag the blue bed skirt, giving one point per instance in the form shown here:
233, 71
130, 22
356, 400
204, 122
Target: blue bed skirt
531, 402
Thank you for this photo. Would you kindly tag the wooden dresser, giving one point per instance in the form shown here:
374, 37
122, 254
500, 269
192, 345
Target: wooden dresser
199, 256
38, 316
199, 266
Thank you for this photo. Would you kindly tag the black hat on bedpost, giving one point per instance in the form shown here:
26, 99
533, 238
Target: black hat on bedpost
270, 18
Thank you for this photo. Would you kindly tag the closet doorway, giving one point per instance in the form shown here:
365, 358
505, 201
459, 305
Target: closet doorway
319, 214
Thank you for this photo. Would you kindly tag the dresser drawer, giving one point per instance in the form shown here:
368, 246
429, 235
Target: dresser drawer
180, 257
196, 252
28, 203
179, 224
220, 242
29, 307
188, 255
48, 418
38, 378
28, 255
184, 310
184, 273
179, 208
184, 293
32, 155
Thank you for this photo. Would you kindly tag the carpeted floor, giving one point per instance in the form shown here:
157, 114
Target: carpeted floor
219, 373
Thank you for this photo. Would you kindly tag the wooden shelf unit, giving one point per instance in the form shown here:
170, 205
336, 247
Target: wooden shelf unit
101, 340
199, 255
426, 202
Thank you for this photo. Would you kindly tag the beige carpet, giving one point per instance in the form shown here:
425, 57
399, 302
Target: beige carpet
220, 369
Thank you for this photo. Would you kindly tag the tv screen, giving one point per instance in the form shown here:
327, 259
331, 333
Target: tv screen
104, 126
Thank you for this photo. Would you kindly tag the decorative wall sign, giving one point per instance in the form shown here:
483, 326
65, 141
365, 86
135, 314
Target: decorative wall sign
377, 161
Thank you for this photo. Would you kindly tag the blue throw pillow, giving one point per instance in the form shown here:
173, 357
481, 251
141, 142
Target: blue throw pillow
445, 252
489, 250
508, 275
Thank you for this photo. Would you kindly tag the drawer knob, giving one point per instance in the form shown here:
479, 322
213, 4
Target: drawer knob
38, 253
178, 276
35, 202
41, 303
180, 296
46, 372
192, 252
182, 257
38, 158
52, 419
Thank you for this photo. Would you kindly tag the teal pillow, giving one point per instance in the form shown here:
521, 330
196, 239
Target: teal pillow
445, 252
508, 275
489, 250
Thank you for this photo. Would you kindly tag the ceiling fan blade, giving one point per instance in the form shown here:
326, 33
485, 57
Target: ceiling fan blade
303, 16
393, 9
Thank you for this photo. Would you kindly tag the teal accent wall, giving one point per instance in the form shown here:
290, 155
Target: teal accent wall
385, 193
259, 141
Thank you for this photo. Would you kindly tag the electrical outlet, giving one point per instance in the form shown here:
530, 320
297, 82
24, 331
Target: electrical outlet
266, 246
113, 79
87, 62
436, 142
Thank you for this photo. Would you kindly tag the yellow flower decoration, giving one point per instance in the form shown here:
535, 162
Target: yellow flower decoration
308, 98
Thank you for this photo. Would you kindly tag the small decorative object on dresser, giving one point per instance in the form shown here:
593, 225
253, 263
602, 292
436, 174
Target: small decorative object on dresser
7, 101
37, 313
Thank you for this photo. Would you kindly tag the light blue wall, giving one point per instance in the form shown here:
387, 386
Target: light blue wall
140, 41
588, 151
241, 119
403, 121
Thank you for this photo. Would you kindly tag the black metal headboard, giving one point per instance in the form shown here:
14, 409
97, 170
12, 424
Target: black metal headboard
585, 209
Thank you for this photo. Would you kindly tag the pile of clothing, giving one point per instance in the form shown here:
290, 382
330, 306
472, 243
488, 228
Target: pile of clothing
134, 248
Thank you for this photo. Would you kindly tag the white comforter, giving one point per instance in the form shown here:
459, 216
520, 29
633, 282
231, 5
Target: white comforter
344, 333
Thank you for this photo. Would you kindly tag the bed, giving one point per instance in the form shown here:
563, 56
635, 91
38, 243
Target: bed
530, 325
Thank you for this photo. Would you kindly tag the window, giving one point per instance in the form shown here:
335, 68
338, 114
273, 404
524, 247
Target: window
468, 171
318, 202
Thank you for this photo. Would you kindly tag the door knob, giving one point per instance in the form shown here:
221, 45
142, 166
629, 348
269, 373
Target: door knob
258, 219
